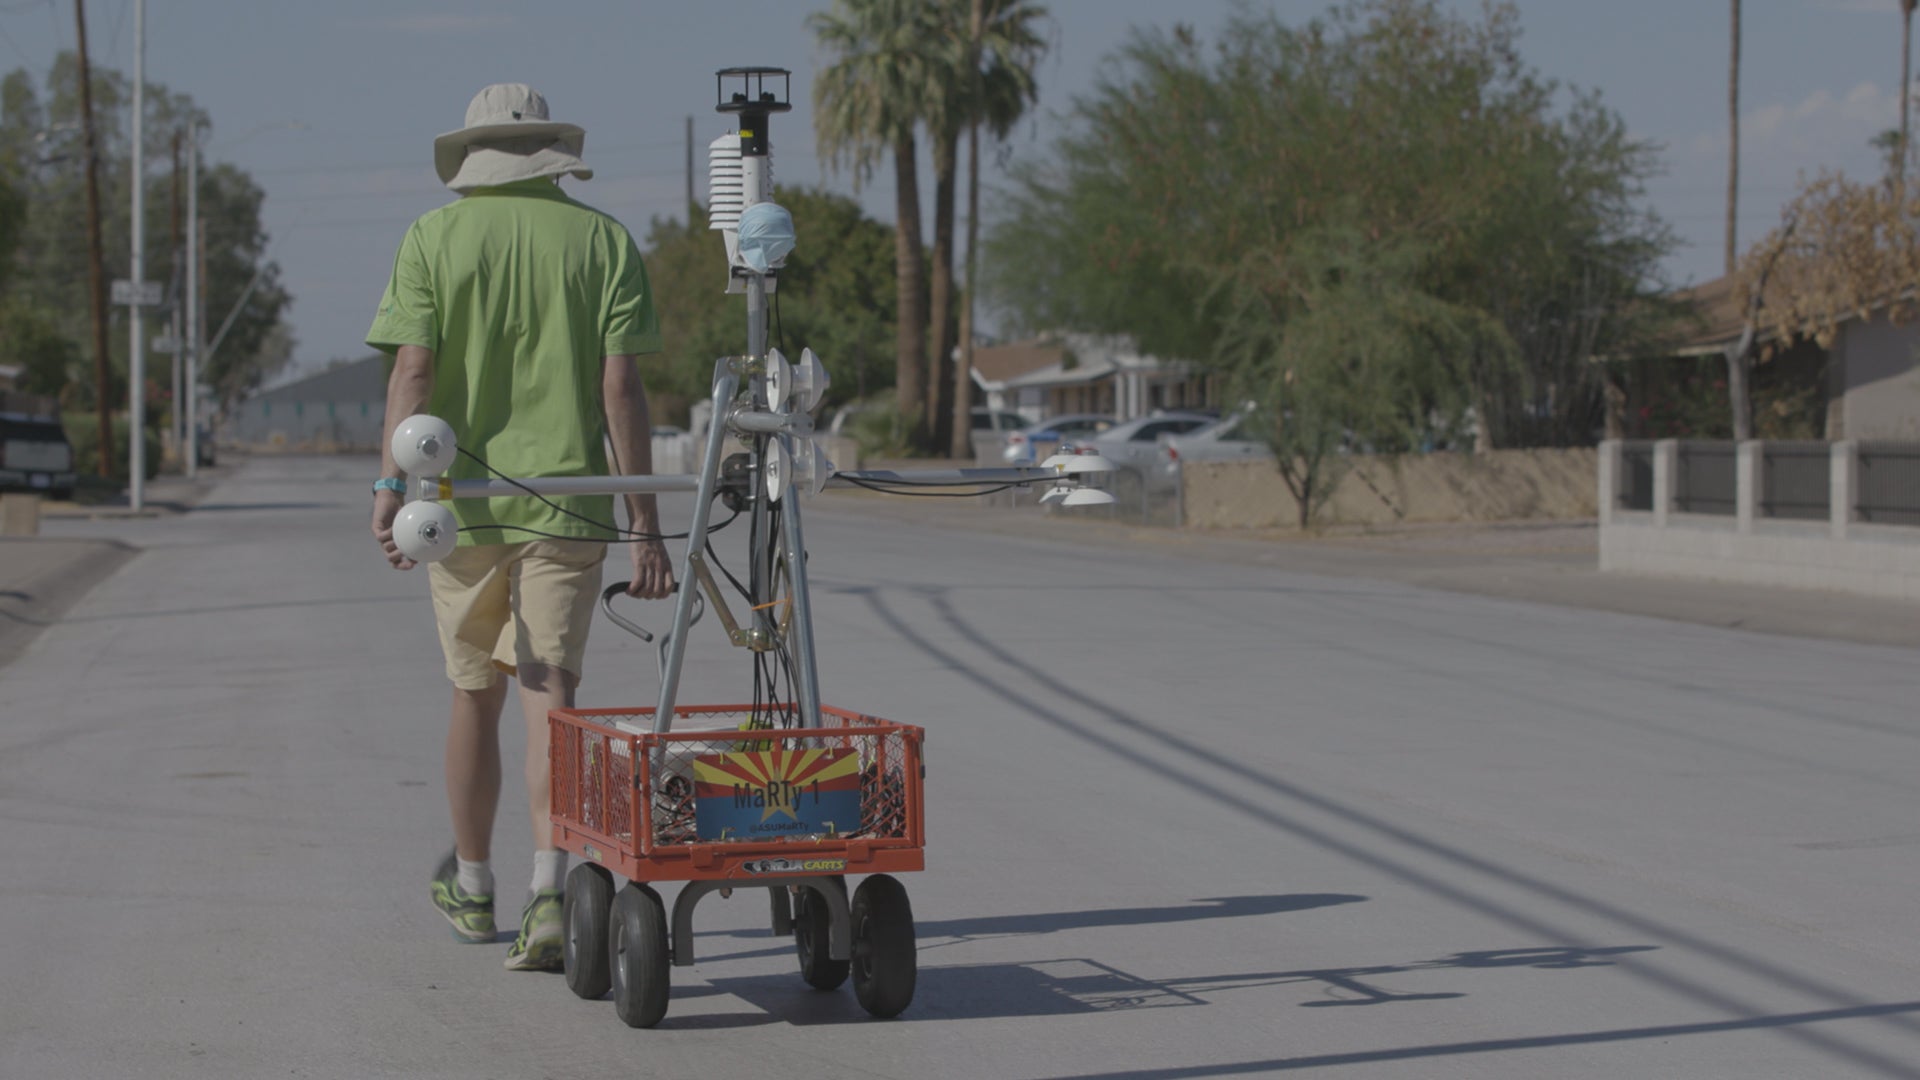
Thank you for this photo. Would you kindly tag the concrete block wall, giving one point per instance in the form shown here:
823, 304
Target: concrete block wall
1502, 485
1839, 555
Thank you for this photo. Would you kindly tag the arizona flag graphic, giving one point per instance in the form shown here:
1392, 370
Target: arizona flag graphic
786, 791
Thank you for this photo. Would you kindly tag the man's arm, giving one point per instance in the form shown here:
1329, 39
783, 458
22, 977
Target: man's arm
624, 399
408, 390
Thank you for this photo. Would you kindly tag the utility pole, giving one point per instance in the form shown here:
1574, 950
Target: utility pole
1733, 139
136, 320
195, 256
690, 203
96, 271
173, 288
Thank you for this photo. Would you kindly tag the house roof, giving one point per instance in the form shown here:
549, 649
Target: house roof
1721, 317
357, 380
999, 363
1083, 371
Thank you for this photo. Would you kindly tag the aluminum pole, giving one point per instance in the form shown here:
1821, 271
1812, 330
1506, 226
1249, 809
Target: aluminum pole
192, 342
137, 324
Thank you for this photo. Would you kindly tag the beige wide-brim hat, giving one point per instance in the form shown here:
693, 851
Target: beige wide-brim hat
508, 137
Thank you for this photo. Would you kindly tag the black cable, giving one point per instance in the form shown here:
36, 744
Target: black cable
779, 328
620, 534
898, 488
598, 539
728, 574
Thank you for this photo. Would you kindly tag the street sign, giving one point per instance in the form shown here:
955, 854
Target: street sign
150, 295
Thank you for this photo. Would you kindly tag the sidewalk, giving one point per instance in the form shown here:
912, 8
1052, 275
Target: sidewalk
1554, 563
164, 495
41, 577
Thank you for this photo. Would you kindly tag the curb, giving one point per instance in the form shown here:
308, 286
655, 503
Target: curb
31, 605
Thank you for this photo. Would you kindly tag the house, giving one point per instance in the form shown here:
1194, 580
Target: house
1865, 385
1078, 373
340, 409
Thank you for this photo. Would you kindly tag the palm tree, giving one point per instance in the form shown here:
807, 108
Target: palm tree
986, 77
867, 102
1002, 46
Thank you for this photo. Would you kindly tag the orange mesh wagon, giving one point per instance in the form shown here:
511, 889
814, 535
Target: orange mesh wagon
642, 822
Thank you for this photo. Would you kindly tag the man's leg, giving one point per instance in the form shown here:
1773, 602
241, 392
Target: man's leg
555, 584
471, 609
473, 768
542, 687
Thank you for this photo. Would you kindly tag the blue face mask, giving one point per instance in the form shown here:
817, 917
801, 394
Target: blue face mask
766, 236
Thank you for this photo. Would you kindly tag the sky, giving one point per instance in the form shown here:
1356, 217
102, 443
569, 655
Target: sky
333, 105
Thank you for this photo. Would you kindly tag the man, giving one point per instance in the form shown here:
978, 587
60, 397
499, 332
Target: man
514, 314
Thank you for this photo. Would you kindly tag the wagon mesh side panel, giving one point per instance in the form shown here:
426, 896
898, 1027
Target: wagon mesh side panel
884, 761
595, 776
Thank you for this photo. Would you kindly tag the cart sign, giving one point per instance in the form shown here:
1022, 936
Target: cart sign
765, 794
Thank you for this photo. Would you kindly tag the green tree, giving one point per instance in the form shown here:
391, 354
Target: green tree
868, 101
1209, 202
40, 134
980, 75
835, 296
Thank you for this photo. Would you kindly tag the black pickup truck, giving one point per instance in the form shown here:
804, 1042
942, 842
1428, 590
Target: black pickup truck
34, 453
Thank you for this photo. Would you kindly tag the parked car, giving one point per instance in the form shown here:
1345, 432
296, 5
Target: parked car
35, 455
997, 420
1035, 441
1231, 439
989, 430
1135, 444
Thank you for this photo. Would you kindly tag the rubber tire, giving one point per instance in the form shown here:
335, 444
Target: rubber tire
884, 961
637, 956
812, 921
585, 910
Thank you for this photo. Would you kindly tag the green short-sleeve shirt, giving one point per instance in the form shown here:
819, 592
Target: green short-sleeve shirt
520, 291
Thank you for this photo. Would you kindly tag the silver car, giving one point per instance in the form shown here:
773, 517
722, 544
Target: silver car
1036, 441
1135, 444
1230, 439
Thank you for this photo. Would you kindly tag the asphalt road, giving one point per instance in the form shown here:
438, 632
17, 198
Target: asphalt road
1189, 818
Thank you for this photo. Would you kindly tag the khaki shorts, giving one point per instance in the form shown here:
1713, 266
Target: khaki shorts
502, 605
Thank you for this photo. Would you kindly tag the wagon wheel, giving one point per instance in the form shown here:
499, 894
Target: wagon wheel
812, 920
584, 912
637, 955
884, 964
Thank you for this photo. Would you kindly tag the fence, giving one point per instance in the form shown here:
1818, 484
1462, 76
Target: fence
1874, 483
1834, 516
1636, 475
1796, 481
1704, 482
1889, 483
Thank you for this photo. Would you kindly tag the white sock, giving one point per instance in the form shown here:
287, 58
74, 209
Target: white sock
549, 870
475, 878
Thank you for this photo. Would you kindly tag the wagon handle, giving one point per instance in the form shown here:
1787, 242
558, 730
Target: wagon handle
619, 588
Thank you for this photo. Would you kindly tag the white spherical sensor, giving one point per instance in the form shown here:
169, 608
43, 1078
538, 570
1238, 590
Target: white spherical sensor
423, 445
425, 531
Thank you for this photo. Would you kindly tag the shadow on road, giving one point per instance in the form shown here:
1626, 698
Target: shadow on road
1201, 770
1225, 907
1077, 986
1779, 1022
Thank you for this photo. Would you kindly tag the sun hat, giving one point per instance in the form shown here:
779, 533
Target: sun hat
508, 137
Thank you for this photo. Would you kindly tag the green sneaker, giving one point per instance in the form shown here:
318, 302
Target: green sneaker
538, 946
471, 916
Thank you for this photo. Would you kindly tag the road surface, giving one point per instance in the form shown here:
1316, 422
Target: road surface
1188, 819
